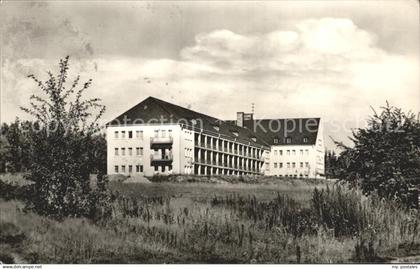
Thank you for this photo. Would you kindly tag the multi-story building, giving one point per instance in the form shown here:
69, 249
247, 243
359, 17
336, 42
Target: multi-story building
296, 145
157, 137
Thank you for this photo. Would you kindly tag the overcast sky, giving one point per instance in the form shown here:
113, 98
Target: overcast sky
328, 59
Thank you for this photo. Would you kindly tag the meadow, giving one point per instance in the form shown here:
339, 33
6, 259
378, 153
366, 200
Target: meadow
275, 221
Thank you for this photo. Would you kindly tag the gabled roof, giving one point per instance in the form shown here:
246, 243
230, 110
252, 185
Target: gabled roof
153, 110
276, 131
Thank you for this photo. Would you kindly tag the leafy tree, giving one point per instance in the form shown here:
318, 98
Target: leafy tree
61, 142
386, 155
4, 149
331, 164
97, 154
14, 149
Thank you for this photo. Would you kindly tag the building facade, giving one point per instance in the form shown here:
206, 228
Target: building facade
157, 137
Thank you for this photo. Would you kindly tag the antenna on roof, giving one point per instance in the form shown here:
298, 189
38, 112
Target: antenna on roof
252, 107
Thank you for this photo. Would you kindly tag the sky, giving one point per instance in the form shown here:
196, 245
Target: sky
331, 59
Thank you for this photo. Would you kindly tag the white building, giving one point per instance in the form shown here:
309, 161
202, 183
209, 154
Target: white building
157, 137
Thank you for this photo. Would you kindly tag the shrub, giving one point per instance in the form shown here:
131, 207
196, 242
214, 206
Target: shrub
61, 146
385, 157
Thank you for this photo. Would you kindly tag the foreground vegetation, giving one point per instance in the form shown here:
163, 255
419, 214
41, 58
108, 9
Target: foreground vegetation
217, 223
56, 215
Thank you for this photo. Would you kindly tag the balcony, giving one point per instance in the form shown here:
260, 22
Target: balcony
161, 158
161, 140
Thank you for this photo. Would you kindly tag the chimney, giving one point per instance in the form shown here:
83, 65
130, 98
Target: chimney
248, 121
245, 120
240, 119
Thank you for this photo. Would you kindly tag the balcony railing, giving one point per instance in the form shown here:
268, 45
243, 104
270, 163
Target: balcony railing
161, 140
241, 153
161, 157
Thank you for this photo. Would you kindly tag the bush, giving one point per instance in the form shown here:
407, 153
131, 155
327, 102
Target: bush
385, 158
62, 142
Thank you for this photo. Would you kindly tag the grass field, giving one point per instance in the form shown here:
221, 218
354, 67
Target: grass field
277, 221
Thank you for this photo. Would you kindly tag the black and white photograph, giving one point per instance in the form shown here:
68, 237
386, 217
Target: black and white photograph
206, 133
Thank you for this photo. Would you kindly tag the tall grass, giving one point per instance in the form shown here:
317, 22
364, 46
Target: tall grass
228, 225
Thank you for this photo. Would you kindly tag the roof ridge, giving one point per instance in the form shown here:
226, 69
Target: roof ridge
187, 109
156, 101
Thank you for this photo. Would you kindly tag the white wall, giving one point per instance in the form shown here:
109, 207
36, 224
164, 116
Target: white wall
312, 154
134, 142
293, 154
320, 151
183, 152
186, 152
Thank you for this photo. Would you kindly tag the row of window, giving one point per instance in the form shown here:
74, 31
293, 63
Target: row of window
294, 176
226, 145
139, 169
163, 133
139, 151
162, 168
280, 165
288, 152
288, 140
122, 134
188, 152
188, 136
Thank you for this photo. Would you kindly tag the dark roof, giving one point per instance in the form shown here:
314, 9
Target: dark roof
153, 110
296, 129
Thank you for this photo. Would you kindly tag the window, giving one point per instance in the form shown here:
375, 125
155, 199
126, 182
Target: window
305, 140
301, 152
288, 165
139, 168
156, 133
116, 169
122, 134
281, 152
156, 168
163, 133
130, 134
301, 165
116, 134
130, 151
170, 133
281, 165
139, 151
275, 152
123, 168
275, 165
288, 140
130, 169
116, 151
306, 151
123, 151
293, 165
293, 152
276, 140
288, 152
306, 164
139, 134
